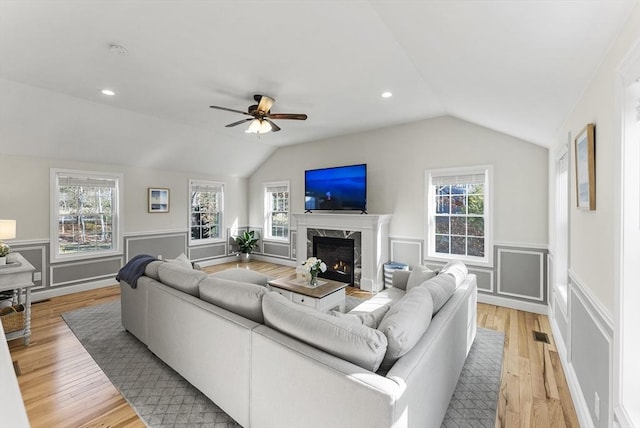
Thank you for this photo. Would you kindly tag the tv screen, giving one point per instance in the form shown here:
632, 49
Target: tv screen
337, 188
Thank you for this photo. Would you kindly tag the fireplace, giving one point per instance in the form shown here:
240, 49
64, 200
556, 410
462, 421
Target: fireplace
338, 254
369, 231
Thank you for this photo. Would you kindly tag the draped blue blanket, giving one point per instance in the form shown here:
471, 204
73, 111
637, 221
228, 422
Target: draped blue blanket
134, 269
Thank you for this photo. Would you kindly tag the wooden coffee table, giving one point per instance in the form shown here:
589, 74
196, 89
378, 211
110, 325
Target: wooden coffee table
327, 295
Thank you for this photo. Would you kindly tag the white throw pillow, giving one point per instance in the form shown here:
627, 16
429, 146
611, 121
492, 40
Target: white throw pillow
418, 275
181, 260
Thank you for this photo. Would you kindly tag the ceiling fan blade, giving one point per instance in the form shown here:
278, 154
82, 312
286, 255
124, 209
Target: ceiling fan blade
240, 122
265, 103
288, 116
231, 110
274, 127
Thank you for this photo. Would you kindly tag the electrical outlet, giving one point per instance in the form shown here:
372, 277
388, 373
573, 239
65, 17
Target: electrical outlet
596, 407
37, 276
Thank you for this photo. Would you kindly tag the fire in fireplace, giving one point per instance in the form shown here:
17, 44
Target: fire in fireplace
338, 254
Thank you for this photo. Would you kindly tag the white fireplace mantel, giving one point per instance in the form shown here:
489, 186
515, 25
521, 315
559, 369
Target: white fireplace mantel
374, 230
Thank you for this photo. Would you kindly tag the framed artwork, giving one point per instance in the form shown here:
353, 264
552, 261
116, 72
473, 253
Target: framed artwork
158, 200
586, 168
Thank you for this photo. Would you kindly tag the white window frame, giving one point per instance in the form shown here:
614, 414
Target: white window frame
116, 232
205, 183
268, 210
430, 208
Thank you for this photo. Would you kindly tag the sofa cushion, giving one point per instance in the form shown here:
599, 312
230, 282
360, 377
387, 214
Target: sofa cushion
418, 275
151, 270
370, 319
345, 339
242, 298
242, 275
441, 288
182, 279
406, 322
457, 269
182, 260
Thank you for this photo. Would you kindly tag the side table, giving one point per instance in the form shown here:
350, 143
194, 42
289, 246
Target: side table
17, 274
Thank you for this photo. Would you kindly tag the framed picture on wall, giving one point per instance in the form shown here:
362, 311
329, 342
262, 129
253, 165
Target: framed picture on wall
586, 168
158, 200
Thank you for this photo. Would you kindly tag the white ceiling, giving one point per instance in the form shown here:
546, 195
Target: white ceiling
515, 66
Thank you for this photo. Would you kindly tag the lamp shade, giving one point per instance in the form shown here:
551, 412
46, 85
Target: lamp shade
7, 229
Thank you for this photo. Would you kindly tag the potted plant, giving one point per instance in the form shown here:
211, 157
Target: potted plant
4, 251
246, 242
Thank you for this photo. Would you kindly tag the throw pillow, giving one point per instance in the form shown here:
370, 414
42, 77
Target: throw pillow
418, 275
348, 340
441, 288
370, 319
181, 260
241, 298
406, 322
457, 269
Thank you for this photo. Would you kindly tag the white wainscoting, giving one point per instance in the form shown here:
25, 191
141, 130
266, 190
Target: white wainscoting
586, 352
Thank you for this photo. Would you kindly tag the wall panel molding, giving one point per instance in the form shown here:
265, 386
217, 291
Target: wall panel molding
512, 264
169, 244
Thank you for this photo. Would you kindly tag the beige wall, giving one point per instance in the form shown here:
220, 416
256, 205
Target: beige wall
397, 158
592, 232
26, 195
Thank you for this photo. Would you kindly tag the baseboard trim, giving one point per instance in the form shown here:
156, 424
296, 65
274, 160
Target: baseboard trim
37, 296
579, 402
536, 308
276, 260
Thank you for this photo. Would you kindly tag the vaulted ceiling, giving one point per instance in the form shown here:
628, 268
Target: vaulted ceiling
515, 66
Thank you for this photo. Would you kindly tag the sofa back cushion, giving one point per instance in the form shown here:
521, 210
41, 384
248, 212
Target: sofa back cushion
242, 298
182, 279
351, 341
151, 270
442, 288
457, 269
418, 275
242, 275
406, 322
370, 319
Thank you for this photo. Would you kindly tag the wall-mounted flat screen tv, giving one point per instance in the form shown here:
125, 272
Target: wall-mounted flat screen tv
337, 188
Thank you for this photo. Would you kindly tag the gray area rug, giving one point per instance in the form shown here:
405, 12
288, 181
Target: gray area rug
162, 398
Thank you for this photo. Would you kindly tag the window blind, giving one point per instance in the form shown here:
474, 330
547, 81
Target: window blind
563, 163
445, 180
206, 187
277, 189
70, 180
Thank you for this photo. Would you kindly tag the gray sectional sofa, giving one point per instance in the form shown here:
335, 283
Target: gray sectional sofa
393, 361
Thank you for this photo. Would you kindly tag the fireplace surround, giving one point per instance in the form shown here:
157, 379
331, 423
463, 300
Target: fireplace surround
371, 252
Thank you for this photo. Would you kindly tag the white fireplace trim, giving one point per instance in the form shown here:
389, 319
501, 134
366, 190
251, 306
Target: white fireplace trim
374, 229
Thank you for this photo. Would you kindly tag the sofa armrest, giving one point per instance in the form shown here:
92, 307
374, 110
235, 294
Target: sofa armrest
400, 278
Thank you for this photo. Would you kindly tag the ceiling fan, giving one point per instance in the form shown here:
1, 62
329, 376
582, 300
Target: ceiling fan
261, 116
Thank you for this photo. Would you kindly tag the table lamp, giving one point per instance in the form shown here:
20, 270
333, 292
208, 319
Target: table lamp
7, 230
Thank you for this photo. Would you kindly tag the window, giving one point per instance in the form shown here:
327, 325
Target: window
561, 258
85, 214
276, 208
206, 210
458, 207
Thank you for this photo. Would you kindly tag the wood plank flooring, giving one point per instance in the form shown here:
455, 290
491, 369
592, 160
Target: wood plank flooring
63, 387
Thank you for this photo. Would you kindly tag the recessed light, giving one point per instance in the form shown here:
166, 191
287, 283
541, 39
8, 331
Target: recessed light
386, 94
108, 92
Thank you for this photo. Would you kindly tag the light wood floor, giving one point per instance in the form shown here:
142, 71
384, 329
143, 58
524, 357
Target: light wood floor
63, 387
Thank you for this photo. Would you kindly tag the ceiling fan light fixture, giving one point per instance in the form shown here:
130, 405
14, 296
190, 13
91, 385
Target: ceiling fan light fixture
258, 126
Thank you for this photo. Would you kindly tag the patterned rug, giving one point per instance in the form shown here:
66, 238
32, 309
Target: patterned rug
162, 398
